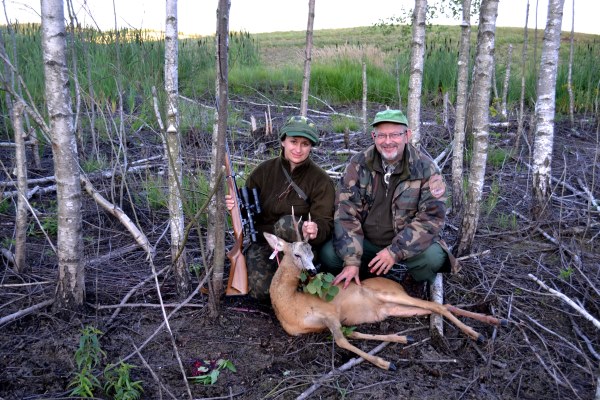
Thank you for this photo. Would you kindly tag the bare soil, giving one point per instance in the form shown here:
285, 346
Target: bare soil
548, 351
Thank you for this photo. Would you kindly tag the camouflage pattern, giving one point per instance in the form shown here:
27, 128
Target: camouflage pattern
418, 215
260, 270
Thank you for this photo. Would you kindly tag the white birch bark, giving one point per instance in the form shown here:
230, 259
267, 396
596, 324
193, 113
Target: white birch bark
216, 215
523, 71
462, 95
482, 81
307, 58
21, 168
545, 109
570, 75
506, 81
415, 80
70, 292
174, 157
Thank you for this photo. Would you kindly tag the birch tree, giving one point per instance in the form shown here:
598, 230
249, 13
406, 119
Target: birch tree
216, 217
462, 95
307, 58
545, 109
417, 59
482, 81
523, 71
70, 292
174, 158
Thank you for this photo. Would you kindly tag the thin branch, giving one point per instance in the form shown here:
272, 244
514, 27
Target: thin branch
567, 300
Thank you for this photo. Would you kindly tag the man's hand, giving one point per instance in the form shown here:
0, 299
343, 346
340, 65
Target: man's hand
382, 263
229, 202
349, 273
309, 230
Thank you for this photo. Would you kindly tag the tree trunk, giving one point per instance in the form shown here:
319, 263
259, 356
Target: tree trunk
415, 80
506, 81
70, 292
462, 95
21, 168
570, 76
307, 58
174, 158
545, 109
364, 98
523, 71
216, 217
482, 80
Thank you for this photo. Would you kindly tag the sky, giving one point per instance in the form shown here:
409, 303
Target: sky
255, 16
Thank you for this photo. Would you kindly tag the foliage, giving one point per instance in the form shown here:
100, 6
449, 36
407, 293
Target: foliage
341, 124
320, 285
493, 198
87, 356
119, 384
207, 372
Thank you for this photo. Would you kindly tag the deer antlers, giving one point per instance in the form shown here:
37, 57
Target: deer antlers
297, 226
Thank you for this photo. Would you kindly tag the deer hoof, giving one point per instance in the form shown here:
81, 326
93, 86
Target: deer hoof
392, 367
503, 322
480, 339
410, 339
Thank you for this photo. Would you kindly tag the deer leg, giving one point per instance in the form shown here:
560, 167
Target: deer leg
382, 338
404, 303
336, 329
488, 319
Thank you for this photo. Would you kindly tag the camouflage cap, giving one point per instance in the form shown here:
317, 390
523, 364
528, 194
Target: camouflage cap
394, 116
300, 126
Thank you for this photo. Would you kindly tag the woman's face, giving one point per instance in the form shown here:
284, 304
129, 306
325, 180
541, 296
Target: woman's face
296, 149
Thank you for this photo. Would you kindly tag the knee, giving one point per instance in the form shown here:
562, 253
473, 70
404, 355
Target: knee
330, 261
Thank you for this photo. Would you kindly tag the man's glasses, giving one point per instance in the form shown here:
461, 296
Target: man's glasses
392, 136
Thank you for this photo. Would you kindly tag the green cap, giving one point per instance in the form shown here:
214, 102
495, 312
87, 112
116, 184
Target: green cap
300, 126
394, 116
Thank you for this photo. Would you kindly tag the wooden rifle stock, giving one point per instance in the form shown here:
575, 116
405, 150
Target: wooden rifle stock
237, 283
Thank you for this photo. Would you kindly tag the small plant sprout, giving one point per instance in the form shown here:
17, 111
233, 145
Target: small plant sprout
207, 372
119, 384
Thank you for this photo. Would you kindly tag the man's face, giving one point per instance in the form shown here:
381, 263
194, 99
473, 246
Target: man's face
390, 140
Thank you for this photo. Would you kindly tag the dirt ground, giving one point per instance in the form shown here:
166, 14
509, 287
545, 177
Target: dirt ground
548, 350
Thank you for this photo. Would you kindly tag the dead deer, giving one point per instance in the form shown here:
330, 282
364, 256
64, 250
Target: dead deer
374, 300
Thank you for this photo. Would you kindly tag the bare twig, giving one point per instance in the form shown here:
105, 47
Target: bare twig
567, 300
149, 368
24, 312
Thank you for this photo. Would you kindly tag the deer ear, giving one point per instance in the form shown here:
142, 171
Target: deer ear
275, 243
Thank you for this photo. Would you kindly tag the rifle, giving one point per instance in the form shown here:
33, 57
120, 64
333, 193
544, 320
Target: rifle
242, 220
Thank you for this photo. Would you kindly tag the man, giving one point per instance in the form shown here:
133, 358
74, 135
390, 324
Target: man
389, 209
291, 180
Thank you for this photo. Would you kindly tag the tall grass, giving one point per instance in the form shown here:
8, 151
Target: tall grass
270, 66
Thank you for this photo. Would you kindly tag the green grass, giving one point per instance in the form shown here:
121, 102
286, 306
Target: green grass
269, 66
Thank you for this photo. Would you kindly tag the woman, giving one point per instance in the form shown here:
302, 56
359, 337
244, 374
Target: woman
290, 180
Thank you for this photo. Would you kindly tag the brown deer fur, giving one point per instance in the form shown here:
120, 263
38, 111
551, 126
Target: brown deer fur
374, 300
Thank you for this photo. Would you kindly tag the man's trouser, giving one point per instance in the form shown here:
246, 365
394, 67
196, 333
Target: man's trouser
422, 267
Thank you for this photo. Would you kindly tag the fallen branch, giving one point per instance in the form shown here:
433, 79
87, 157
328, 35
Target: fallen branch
117, 212
574, 256
24, 312
567, 300
589, 193
351, 363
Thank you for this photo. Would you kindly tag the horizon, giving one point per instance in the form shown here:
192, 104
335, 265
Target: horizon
199, 18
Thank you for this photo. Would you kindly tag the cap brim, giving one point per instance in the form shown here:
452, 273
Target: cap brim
304, 135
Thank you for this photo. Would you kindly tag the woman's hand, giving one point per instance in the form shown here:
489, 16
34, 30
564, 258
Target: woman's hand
310, 230
229, 202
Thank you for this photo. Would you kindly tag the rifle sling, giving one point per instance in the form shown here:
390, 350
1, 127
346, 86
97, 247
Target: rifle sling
300, 192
